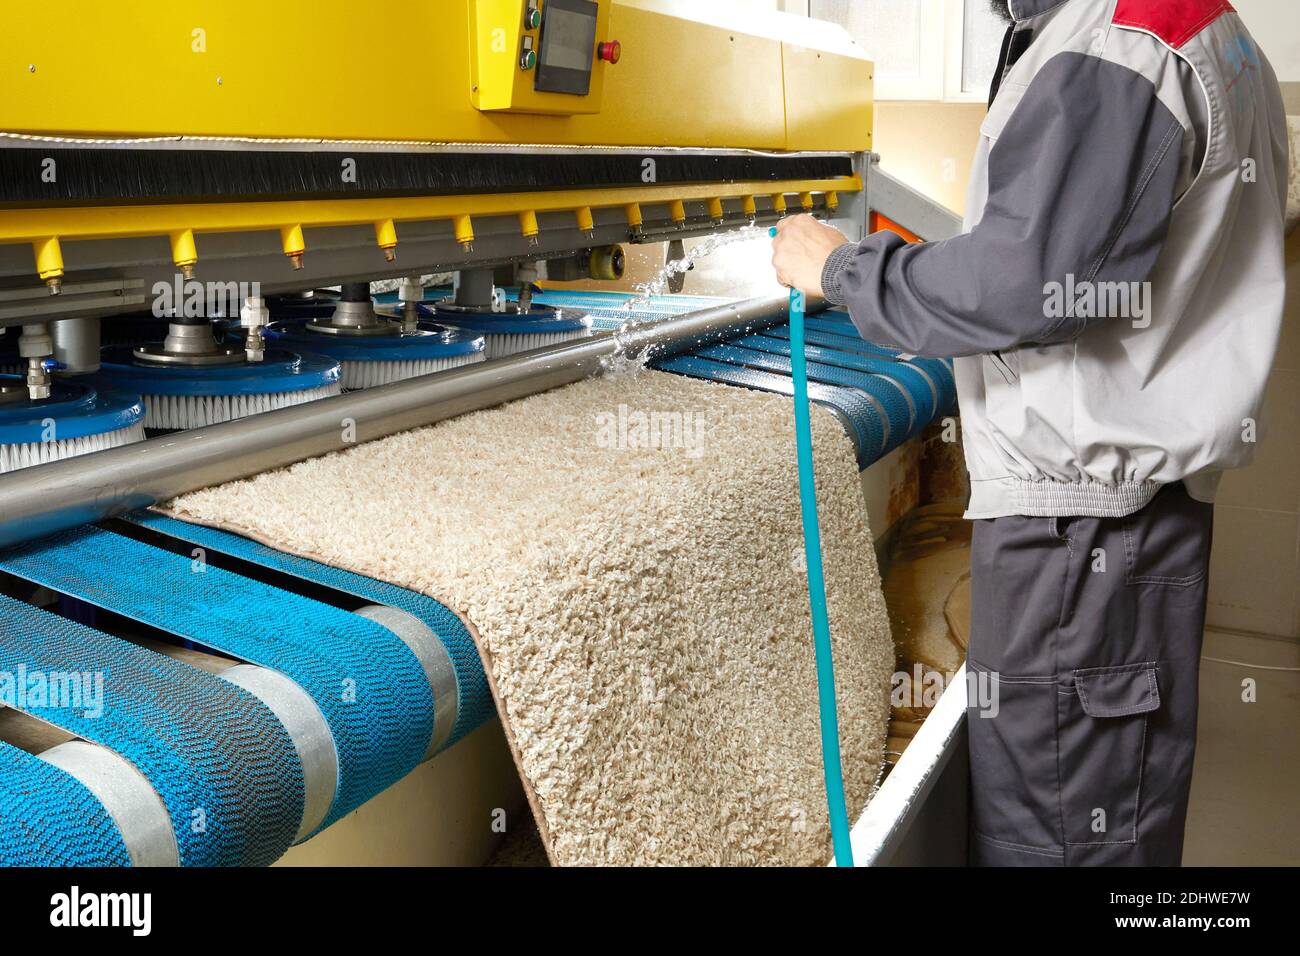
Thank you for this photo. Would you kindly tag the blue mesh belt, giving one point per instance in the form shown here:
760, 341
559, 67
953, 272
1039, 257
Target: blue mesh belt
921, 389
888, 393
867, 426
475, 698
367, 683
846, 340
223, 765
49, 818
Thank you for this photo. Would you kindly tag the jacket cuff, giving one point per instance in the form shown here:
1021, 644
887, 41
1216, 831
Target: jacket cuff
835, 264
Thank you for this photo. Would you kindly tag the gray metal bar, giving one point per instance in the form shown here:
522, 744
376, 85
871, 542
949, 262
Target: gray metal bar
854, 212
25, 298
907, 207
38, 501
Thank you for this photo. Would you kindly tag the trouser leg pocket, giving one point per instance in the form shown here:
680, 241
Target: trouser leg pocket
1103, 719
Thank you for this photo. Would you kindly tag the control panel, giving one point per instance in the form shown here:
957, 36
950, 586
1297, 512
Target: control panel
541, 56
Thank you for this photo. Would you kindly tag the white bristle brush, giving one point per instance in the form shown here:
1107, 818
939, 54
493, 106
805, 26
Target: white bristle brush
177, 412
499, 345
359, 375
14, 457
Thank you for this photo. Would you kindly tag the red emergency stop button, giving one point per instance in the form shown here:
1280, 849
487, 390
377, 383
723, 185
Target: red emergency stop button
610, 52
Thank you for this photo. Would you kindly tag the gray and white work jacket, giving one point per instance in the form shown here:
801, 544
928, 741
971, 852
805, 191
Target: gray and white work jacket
1116, 299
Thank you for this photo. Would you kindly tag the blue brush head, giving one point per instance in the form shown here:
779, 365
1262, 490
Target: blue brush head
76, 408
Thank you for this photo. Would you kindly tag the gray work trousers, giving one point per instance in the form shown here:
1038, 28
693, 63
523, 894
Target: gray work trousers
1084, 650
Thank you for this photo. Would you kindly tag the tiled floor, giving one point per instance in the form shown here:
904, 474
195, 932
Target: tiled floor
1245, 807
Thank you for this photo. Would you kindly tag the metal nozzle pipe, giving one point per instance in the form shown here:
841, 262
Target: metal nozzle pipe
64, 494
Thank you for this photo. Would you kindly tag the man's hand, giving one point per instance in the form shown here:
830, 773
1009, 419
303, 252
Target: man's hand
800, 250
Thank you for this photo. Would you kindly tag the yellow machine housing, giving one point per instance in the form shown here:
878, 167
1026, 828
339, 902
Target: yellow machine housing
414, 77
426, 71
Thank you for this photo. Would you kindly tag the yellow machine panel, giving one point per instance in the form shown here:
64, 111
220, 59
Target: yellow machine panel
505, 52
828, 99
418, 71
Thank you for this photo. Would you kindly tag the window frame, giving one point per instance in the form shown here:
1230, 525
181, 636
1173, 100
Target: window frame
940, 52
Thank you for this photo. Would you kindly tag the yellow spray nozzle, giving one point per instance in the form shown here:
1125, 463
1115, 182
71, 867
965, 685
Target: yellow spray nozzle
464, 228
528, 224
49, 262
184, 252
386, 238
292, 242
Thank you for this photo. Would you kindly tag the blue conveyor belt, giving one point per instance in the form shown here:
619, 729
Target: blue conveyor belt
225, 768
367, 683
49, 818
890, 396
475, 699
846, 342
916, 383
867, 426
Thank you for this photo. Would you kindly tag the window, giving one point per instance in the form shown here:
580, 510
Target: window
923, 49
978, 33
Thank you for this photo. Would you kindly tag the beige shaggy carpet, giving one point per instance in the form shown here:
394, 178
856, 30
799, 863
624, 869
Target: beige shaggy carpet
628, 554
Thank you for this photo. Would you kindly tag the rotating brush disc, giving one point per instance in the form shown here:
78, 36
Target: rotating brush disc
78, 418
370, 360
507, 333
191, 396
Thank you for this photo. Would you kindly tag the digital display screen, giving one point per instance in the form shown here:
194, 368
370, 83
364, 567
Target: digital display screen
570, 40
568, 47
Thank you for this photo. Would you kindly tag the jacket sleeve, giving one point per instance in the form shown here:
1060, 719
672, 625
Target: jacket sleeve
1081, 187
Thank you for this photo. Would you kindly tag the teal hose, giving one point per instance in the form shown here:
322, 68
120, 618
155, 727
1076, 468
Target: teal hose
812, 544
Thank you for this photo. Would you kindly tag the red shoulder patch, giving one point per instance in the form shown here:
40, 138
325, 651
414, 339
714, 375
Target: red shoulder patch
1173, 21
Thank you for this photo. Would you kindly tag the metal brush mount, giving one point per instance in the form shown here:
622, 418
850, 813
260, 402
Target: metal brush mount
355, 315
477, 295
189, 342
